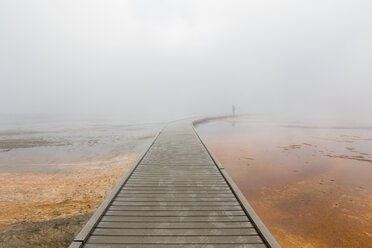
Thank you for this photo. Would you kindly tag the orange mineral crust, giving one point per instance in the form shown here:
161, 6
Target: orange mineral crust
41, 197
311, 187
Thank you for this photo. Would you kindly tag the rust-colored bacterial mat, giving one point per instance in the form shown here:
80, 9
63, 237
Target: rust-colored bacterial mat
310, 185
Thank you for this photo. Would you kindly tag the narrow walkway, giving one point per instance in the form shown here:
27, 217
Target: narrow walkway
177, 195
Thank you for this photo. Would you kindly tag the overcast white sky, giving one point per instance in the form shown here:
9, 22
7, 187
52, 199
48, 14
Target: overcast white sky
185, 58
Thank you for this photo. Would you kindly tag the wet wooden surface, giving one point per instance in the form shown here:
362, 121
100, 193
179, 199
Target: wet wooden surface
175, 196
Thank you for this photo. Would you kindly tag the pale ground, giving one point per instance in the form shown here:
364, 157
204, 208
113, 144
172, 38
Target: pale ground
27, 198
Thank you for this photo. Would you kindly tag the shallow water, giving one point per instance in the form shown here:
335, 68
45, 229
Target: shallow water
53, 173
50, 147
310, 184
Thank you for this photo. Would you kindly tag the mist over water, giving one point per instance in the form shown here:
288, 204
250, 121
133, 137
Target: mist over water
164, 60
310, 185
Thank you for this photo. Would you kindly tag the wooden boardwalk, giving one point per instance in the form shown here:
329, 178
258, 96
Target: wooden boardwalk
176, 195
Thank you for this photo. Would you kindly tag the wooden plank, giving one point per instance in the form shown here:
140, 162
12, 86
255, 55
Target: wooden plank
165, 163
178, 162
172, 191
175, 219
172, 178
187, 182
178, 178
176, 171
167, 168
170, 187
179, 174
126, 203
175, 232
170, 213
98, 239
175, 225
170, 168
178, 183
176, 187
178, 208
75, 244
176, 246
175, 195
194, 187
174, 199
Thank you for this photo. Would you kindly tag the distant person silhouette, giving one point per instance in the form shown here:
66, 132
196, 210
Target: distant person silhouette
233, 110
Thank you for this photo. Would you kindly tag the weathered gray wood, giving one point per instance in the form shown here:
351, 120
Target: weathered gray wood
175, 175
189, 185
172, 182
175, 219
209, 187
173, 168
195, 172
75, 244
176, 208
173, 199
172, 191
175, 232
176, 183
177, 195
174, 195
170, 213
175, 225
172, 179
123, 203
176, 246
174, 239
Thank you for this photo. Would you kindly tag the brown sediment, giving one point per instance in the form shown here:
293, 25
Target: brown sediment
9, 144
44, 197
290, 147
57, 233
16, 132
351, 149
359, 158
247, 158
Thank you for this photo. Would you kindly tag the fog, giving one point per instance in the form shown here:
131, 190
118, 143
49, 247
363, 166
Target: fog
174, 59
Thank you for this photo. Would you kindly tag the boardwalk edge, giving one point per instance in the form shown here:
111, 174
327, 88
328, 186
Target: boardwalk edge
255, 219
82, 237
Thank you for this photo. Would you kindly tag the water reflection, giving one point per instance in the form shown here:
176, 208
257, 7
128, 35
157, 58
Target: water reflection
311, 186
